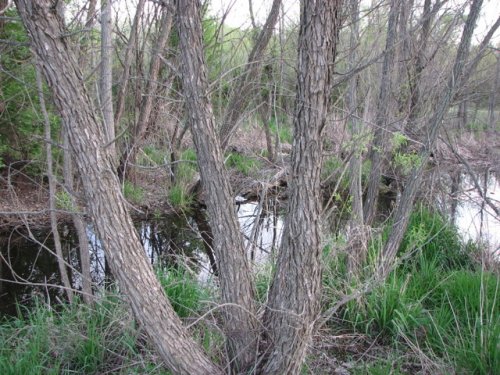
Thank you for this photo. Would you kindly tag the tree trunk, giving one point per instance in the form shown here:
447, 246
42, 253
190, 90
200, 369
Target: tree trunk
378, 148
106, 205
403, 209
106, 81
127, 62
492, 125
294, 297
416, 71
237, 291
357, 250
245, 84
268, 95
52, 188
83, 241
149, 95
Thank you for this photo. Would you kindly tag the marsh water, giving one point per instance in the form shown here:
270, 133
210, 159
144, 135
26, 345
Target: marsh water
29, 270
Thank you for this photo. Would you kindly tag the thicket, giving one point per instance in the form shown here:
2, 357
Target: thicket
438, 310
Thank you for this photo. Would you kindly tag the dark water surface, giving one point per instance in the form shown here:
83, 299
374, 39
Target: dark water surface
28, 269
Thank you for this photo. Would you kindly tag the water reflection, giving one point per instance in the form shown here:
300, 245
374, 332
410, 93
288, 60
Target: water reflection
29, 269
476, 219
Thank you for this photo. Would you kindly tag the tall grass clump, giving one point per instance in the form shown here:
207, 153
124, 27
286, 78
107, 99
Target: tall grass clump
185, 170
435, 238
436, 300
183, 290
466, 321
75, 339
242, 163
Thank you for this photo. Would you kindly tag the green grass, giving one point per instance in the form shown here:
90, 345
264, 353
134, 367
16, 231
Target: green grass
437, 299
133, 193
179, 197
152, 156
178, 194
284, 131
242, 163
183, 290
76, 339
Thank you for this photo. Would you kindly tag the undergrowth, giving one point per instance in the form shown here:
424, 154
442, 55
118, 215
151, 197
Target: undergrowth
437, 306
75, 339
437, 300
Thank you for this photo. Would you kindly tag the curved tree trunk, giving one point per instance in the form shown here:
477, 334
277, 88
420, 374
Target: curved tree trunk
234, 270
106, 205
294, 299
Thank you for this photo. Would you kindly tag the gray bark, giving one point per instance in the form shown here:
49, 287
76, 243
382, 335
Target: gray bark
294, 297
106, 79
357, 250
52, 188
403, 209
106, 205
245, 84
83, 241
236, 286
381, 132
492, 125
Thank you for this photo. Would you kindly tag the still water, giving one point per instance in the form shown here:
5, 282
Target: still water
28, 270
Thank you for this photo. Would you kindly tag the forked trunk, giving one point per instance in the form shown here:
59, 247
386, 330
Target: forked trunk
294, 298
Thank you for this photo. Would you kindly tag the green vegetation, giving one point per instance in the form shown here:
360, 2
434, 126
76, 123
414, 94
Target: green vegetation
152, 156
179, 197
242, 163
75, 339
404, 161
64, 201
21, 127
282, 129
133, 193
185, 170
436, 300
183, 290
